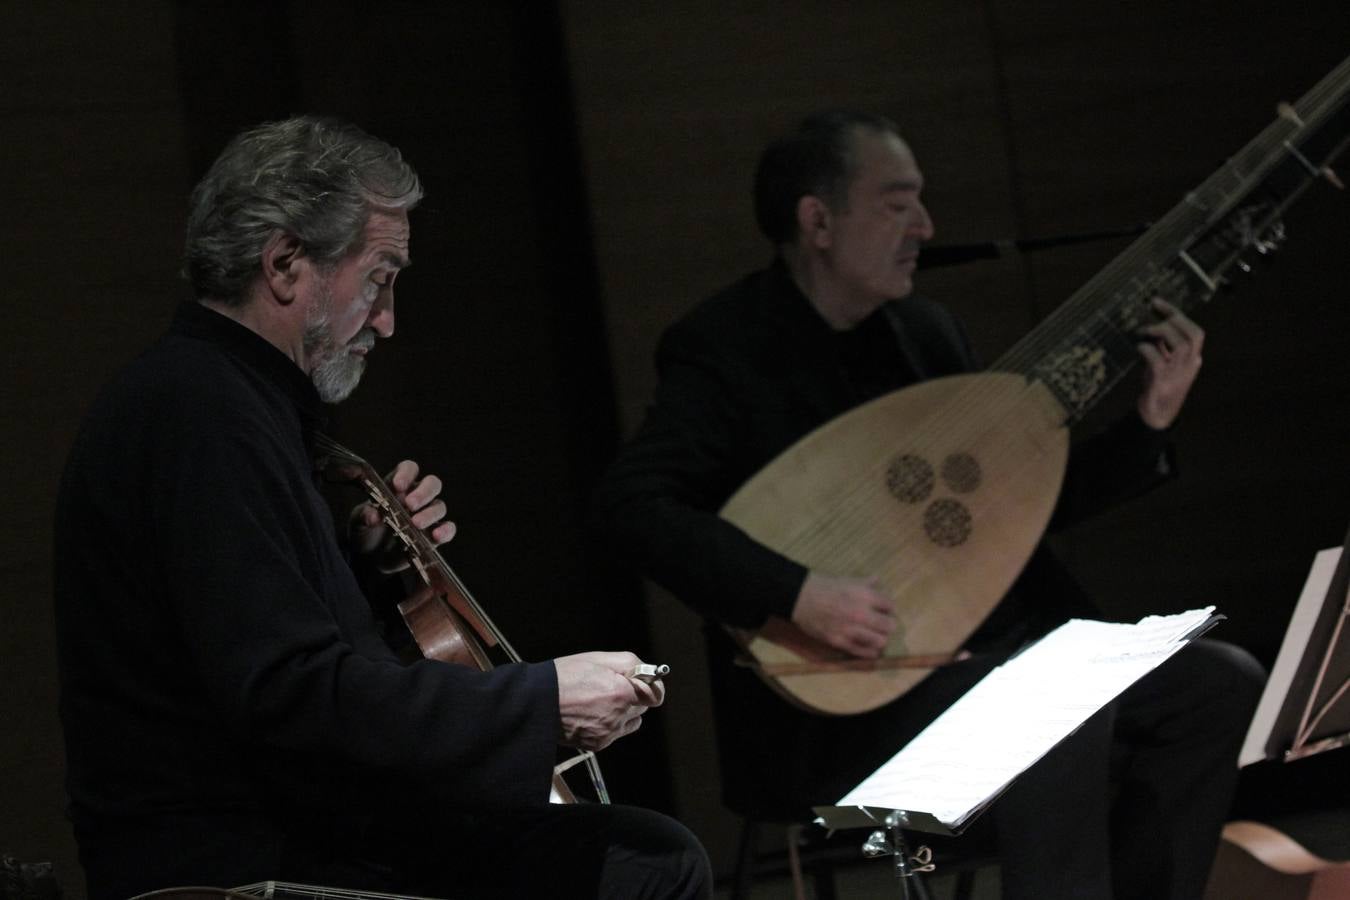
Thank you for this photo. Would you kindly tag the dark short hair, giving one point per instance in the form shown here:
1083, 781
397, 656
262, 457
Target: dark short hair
314, 178
817, 159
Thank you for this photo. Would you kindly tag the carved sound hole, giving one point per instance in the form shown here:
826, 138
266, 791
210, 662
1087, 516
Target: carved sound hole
909, 478
961, 472
947, 522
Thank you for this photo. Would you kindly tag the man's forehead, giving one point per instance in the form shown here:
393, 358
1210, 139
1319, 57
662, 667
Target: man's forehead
886, 163
387, 236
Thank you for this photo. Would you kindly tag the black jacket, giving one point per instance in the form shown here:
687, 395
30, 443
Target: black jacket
747, 374
742, 377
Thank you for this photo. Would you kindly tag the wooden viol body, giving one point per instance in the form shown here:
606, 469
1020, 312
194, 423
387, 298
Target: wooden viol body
446, 622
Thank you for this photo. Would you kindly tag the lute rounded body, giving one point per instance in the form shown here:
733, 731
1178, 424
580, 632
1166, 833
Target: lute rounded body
941, 490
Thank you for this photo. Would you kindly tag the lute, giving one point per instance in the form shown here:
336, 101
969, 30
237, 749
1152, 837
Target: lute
943, 490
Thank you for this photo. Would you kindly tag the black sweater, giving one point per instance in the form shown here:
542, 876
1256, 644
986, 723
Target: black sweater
221, 671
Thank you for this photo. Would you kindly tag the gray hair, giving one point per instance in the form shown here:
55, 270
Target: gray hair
315, 179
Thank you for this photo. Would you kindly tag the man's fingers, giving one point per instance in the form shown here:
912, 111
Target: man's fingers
429, 515
1152, 355
403, 476
649, 693
1176, 330
883, 613
1164, 338
864, 644
860, 640
427, 490
1169, 345
619, 661
368, 515
1190, 331
422, 499
877, 617
599, 741
442, 533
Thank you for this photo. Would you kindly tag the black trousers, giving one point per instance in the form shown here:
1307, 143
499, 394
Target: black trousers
1129, 806
563, 851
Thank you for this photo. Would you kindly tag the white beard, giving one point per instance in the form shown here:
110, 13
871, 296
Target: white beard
337, 371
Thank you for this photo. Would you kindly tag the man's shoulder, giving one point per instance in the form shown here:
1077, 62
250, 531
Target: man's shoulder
733, 320
736, 302
151, 420
178, 369
179, 386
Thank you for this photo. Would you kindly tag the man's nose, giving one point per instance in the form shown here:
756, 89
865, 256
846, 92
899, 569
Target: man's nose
382, 314
923, 227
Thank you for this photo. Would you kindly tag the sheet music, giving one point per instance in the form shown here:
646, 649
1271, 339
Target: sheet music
1018, 712
1256, 746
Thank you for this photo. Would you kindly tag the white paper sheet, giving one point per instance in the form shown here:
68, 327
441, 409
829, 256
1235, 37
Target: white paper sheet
1018, 712
1295, 642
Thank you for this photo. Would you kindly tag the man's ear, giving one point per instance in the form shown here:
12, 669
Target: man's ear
283, 264
813, 221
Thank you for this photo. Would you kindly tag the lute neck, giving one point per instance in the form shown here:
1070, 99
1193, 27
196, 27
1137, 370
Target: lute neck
1087, 345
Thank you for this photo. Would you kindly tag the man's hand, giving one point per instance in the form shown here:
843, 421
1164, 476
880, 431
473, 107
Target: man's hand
598, 703
368, 533
1172, 360
850, 614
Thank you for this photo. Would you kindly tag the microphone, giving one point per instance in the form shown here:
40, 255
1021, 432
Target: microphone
957, 254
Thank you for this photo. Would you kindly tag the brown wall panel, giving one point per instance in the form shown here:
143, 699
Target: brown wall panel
91, 179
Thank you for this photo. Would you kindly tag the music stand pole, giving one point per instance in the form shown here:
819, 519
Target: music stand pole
891, 842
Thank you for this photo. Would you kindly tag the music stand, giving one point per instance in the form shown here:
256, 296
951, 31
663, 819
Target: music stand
1305, 708
967, 757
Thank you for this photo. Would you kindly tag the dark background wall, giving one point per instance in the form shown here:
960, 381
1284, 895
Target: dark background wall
587, 168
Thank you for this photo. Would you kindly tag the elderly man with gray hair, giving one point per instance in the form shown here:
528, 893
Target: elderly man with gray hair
232, 713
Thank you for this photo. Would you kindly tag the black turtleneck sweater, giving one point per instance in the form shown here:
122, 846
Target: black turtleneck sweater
224, 685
